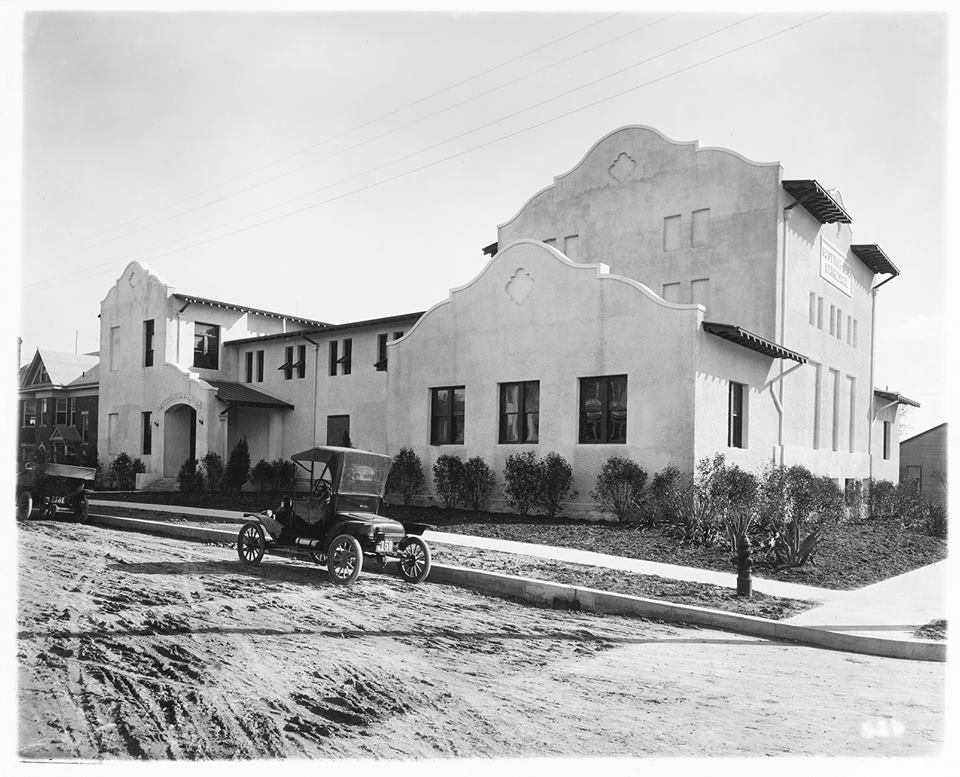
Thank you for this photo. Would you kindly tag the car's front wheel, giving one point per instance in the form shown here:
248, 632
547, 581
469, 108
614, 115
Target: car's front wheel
251, 543
24, 505
414, 561
344, 560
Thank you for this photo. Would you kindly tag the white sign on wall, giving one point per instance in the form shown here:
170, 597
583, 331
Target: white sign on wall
834, 268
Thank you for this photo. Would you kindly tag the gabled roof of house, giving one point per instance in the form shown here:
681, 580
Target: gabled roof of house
191, 299
928, 431
63, 369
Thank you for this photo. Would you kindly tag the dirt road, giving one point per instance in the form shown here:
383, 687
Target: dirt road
134, 646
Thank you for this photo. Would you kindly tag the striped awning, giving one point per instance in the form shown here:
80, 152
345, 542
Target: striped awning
874, 258
817, 200
754, 342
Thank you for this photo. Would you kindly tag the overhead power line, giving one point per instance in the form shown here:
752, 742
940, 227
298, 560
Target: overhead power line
450, 157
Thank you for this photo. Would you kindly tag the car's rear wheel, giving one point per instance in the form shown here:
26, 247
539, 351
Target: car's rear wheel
251, 543
24, 505
414, 561
344, 560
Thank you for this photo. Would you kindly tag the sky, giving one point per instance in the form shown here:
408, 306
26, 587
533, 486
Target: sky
350, 166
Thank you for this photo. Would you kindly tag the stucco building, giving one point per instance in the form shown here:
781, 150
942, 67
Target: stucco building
660, 301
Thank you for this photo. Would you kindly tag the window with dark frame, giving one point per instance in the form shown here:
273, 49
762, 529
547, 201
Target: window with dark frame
603, 409
72, 411
381, 362
287, 366
148, 343
84, 426
520, 412
333, 358
206, 346
301, 364
886, 439
43, 412
447, 415
248, 358
338, 429
29, 413
147, 426
735, 416
61, 411
347, 357
259, 366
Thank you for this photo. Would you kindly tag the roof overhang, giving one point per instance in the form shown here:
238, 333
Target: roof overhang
239, 394
894, 397
874, 258
817, 200
191, 299
754, 342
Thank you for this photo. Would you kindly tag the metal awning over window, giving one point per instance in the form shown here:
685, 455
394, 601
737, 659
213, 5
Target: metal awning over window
817, 201
893, 396
874, 258
740, 336
239, 394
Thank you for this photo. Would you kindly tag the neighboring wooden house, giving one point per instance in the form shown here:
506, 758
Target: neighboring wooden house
923, 461
58, 407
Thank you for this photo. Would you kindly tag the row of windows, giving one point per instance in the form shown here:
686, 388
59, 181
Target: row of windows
36, 412
836, 324
603, 412
699, 235
569, 244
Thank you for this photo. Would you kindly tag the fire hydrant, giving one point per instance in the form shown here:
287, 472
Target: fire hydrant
744, 562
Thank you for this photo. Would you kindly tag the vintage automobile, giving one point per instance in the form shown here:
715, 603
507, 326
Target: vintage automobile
54, 487
335, 520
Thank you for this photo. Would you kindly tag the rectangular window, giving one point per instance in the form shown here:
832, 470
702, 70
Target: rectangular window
887, 437
287, 366
259, 366
84, 426
520, 412
849, 329
571, 246
813, 309
839, 324
833, 319
338, 430
700, 229
447, 415
113, 430
735, 416
603, 409
72, 411
852, 385
671, 233
43, 412
206, 346
854, 333
835, 385
347, 357
381, 362
29, 413
147, 434
61, 411
301, 364
700, 292
148, 343
819, 312
114, 348
671, 292
333, 358
249, 366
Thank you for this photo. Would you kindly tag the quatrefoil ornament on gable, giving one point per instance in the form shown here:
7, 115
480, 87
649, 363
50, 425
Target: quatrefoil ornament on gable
623, 167
519, 286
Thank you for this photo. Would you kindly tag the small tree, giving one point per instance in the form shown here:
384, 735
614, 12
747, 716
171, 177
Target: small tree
556, 480
212, 464
190, 477
406, 475
121, 474
238, 466
447, 479
522, 477
264, 475
619, 486
478, 482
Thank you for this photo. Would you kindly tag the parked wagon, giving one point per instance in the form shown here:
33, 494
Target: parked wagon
335, 521
55, 487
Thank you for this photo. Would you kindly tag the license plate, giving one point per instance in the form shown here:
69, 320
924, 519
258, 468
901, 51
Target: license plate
384, 547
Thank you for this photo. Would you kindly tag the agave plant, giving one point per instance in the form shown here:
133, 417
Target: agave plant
793, 551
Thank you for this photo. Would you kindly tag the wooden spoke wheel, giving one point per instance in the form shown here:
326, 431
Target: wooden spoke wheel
251, 543
344, 560
414, 560
24, 505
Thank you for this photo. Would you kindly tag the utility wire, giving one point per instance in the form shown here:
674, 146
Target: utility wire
330, 139
458, 154
422, 150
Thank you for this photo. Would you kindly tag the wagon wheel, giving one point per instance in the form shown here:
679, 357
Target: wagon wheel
82, 509
414, 560
251, 543
24, 505
344, 560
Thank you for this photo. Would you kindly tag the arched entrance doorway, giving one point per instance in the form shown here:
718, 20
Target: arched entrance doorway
179, 438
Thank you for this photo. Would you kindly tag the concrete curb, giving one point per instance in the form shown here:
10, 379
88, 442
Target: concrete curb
175, 509
591, 600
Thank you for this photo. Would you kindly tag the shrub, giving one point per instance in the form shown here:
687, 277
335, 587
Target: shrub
121, 474
556, 480
212, 464
935, 523
522, 477
447, 479
406, 475
264, 475
853, 499
238, 466
619, 486
190, 478
284, 474
882, 502
477, 483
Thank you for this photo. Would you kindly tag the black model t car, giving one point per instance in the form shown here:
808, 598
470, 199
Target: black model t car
54, 487
337, 521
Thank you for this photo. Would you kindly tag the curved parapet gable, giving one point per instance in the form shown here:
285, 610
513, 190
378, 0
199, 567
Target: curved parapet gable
623, 165
132, 274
